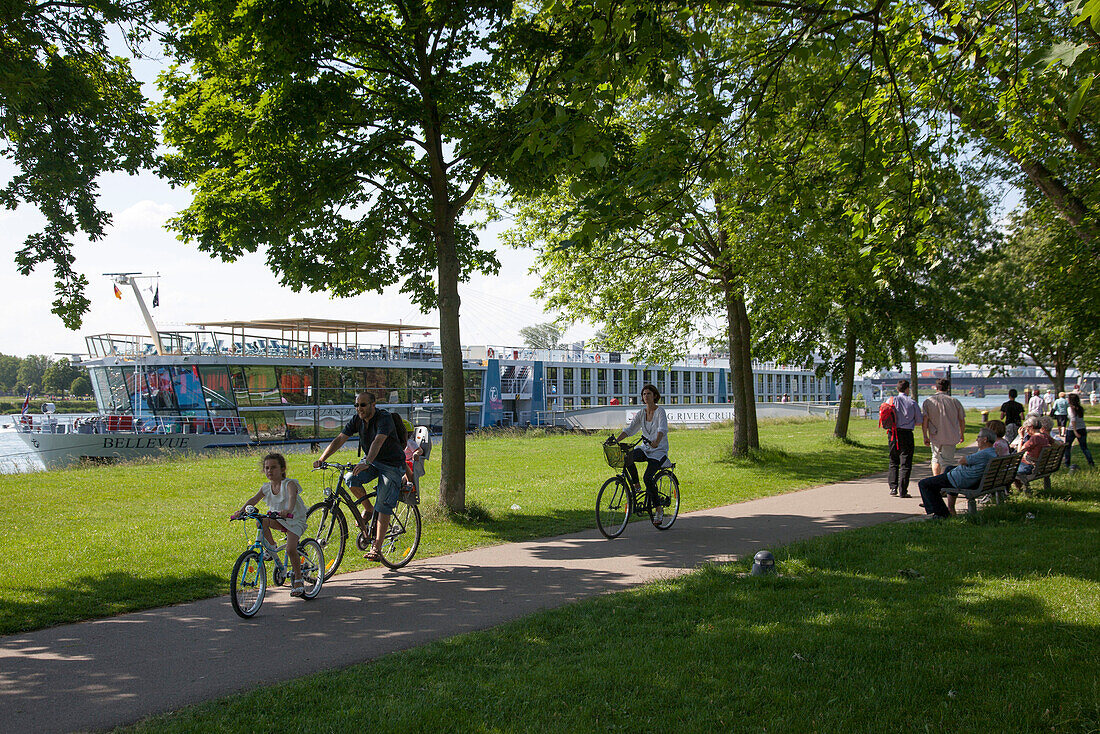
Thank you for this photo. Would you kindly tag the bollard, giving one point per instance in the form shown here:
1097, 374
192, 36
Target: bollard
763, 563
985, 417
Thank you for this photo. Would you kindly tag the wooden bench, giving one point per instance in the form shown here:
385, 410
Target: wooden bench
996, 481
1048, 463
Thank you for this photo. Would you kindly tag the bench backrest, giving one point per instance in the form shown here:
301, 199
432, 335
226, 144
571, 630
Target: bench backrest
1000, 472
1050, 458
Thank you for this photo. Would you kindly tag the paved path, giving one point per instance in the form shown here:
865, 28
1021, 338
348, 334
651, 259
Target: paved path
115, 671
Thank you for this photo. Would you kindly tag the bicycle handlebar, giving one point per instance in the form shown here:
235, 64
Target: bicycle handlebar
334, 465
257, 515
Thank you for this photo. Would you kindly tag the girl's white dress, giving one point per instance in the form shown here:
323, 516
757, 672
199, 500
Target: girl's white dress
281, 503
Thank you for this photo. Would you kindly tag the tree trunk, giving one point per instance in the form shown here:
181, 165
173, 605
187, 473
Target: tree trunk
914, 373
847, 381
752, 428
452, 482
737, 376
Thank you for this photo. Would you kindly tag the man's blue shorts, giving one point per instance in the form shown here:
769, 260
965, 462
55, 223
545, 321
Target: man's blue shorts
389, 484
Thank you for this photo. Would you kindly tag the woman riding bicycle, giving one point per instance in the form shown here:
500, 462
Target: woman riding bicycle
653, 449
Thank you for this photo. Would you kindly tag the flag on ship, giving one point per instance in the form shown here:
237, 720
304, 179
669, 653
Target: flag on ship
156, 297
118, 293
26, 403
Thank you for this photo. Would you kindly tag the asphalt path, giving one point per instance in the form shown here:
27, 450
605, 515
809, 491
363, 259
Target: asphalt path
105, 673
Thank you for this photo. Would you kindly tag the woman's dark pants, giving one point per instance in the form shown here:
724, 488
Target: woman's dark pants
652, 467
1081, 439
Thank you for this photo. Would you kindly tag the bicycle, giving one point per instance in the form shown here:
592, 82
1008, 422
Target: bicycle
249, 581
618, 499
331, 529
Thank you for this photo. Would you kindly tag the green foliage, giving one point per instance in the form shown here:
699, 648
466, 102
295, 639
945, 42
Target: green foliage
31, 371
59, 376
9, 371
1043, 301
70, 110
542, 336
81, 387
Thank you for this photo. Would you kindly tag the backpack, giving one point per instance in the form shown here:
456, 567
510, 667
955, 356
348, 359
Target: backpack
398, 426
888, 419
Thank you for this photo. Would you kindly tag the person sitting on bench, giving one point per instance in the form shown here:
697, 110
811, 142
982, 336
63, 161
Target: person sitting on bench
967, 474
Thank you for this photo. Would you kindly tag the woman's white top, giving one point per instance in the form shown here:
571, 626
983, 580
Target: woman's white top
1076, 419
650, 429
280, 503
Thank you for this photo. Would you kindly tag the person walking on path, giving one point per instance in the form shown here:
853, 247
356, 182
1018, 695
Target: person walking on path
1060, 413
944, 425
1012, 413
907, 412
1076, 429
1036, 406
967, 474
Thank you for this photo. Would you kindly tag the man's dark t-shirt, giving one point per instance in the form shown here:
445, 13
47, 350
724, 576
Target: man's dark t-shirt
1013, 411
391, 453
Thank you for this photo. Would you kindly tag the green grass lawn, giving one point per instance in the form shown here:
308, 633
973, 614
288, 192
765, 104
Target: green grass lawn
961, 626
106, 540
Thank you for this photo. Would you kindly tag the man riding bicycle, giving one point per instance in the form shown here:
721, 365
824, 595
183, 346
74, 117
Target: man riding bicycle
385, 460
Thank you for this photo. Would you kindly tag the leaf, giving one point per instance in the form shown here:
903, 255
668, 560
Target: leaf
1077, 101
1091, 12
1065, 52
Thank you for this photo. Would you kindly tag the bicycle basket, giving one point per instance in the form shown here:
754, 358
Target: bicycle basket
615, 453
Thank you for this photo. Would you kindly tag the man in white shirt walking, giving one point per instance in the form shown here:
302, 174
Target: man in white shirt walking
944, 426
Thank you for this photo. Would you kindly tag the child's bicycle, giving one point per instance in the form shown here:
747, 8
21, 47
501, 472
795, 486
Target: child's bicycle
618, 500
325, 521
249, 581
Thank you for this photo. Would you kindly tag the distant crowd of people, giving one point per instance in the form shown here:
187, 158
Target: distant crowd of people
942, 419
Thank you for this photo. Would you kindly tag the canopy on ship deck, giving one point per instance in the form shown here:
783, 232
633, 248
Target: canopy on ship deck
331, 330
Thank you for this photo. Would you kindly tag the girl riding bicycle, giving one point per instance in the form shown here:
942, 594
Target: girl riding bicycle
653, 449
284, 496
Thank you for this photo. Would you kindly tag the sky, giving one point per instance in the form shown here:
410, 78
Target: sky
195, 287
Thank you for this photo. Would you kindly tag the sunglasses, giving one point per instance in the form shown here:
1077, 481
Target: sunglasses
363, 405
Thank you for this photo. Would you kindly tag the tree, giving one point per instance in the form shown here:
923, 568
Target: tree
81, 387
348, 138
59, 376
70, 110
31, 371
542, 336
1043, 301
9, 371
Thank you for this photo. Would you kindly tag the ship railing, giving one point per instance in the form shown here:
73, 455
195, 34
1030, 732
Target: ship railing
125, 423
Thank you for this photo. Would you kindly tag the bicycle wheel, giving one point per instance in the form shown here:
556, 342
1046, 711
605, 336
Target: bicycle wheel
249, 583
668, 495
313, 561
613, 507
330, 528
403, 537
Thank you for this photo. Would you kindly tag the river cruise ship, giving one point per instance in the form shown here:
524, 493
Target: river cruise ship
293, 381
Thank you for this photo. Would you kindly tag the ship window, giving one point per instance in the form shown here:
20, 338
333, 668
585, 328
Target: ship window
268, 425
262, 387
675, 385
188, 389
336, 385
296, 385
473, 380
300, 423
217, 391
698, 382
111, 392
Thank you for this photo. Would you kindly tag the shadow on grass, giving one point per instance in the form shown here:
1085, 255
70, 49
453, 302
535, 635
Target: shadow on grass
900, 627
89, 597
